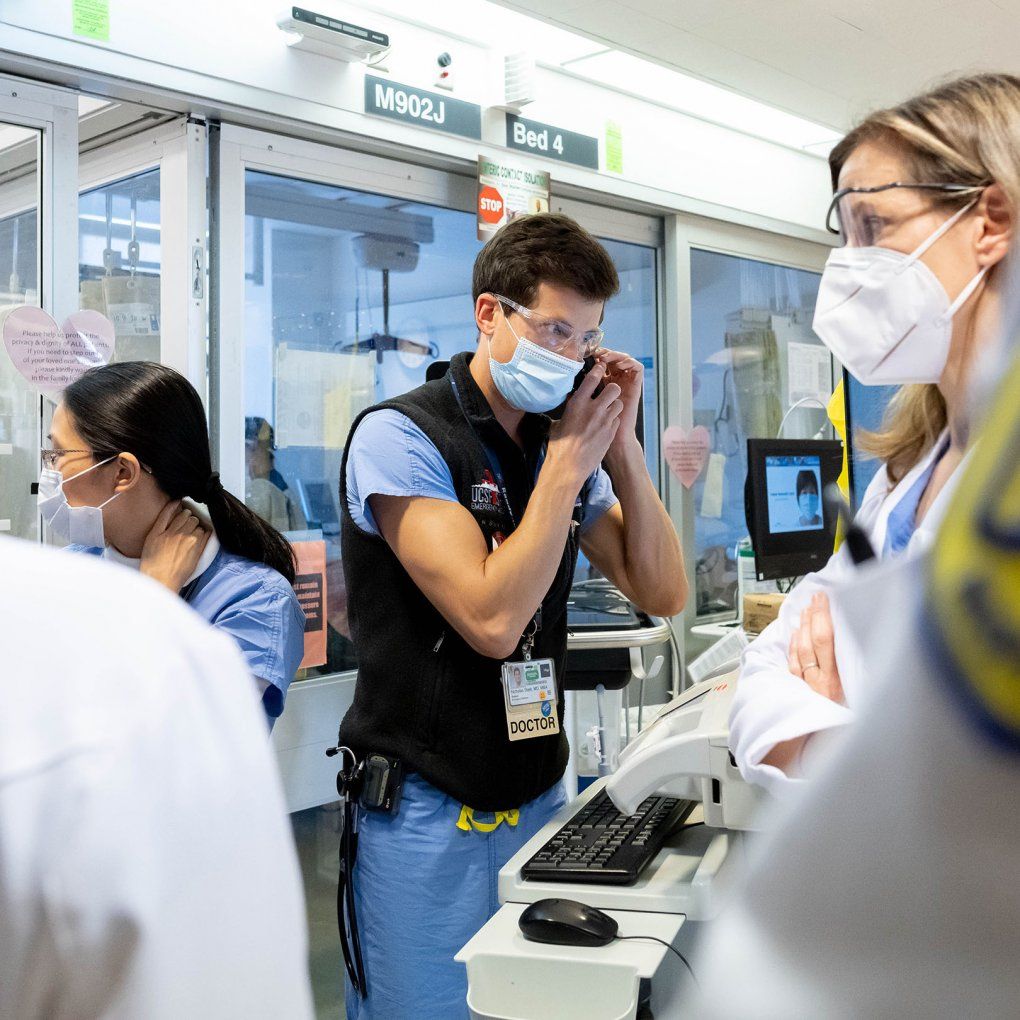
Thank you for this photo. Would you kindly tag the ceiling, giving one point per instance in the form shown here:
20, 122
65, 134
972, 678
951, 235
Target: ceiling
829, 61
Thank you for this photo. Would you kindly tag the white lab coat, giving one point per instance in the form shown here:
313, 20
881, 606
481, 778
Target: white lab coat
771, 704
888, 885
147, 867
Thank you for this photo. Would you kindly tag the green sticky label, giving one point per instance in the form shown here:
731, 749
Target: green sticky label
91, 19
614, 147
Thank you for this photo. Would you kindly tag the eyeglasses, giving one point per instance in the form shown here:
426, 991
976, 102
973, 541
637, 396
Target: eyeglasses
49, 458
555, 334
857, 222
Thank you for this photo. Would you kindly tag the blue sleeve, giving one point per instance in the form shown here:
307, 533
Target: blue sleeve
268, 625
391, 456
600, 498
86, 549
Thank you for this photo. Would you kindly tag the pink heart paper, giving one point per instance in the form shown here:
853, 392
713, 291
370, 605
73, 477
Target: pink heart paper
49, 357
685, 452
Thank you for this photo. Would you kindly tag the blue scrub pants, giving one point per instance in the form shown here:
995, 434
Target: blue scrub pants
423, 887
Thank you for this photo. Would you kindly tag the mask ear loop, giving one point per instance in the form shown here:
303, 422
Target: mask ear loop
64, 481
930, 240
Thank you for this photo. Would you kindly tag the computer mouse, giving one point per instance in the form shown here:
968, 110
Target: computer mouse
567, 923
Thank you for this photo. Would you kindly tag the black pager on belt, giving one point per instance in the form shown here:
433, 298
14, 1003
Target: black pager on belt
382, 783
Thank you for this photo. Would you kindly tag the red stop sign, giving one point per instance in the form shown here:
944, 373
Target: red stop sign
490, 205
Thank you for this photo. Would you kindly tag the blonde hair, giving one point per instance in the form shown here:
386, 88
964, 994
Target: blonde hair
965, 132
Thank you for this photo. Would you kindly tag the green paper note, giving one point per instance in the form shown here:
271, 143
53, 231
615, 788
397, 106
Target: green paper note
614, 147
91, 19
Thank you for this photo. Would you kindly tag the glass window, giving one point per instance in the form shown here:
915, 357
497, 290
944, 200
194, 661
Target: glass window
348, 298
119, 261
755, 358
19, 285
866, 407
631, 326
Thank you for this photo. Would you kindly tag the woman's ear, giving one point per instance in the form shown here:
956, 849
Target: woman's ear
997, 223
129, 473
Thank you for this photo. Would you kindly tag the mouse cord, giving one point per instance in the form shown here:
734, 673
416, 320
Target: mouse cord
683, 959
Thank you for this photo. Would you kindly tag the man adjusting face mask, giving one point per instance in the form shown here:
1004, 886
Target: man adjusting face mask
884, 314
80, 525
536, 379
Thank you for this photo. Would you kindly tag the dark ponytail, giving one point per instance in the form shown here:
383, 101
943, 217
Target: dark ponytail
153, 412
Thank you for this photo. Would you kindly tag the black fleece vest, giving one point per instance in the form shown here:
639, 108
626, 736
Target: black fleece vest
422, 694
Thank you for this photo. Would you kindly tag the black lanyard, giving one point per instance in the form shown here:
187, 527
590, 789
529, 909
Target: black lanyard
490, 456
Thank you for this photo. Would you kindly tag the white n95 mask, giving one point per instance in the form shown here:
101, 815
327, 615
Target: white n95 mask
534, 379
885, 315
79, 525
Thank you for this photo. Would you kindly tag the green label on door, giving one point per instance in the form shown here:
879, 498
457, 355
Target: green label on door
91, 19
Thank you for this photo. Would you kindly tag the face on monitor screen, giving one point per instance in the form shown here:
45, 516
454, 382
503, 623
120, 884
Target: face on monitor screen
794, 486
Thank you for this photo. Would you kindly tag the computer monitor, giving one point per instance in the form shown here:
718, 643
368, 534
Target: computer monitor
318, 503
791, 532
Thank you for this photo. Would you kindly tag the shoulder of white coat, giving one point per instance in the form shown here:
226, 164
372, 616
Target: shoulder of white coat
104, 648
875, 495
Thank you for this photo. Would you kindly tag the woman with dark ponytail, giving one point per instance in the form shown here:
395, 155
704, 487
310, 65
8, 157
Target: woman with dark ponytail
130, 477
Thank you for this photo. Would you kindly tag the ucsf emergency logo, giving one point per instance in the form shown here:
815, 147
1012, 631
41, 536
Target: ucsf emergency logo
485, 494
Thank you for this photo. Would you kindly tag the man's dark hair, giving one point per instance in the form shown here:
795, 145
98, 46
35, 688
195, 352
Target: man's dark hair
544, 248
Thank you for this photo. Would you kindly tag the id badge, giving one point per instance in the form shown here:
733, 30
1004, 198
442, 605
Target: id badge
529, 692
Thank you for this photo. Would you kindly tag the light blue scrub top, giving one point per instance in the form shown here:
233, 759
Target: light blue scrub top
391, 456
902, 522
256, 606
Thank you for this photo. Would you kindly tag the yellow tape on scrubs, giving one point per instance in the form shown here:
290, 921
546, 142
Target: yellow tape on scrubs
467, 820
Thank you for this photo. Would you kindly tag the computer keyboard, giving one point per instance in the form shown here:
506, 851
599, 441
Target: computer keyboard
603, 846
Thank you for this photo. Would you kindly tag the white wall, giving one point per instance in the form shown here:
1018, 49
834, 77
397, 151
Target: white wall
229, 53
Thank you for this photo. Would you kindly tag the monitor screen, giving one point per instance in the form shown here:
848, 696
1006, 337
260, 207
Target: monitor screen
794, 488
317, 502
791, 533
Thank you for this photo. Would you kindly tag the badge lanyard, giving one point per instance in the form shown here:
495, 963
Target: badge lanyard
497, 473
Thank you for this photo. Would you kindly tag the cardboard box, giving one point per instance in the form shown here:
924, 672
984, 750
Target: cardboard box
760, 610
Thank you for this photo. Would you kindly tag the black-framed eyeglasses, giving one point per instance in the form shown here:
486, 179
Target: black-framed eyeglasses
835, 219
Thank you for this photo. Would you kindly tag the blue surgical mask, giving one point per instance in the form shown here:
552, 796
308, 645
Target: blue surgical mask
808, 502
534, 379
80, 525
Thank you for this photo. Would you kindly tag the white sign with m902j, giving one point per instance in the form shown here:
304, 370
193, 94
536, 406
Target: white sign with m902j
552, 142
385, 98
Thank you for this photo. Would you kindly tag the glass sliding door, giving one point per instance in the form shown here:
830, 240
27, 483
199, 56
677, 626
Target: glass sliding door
20, 276
349, 297
755, 359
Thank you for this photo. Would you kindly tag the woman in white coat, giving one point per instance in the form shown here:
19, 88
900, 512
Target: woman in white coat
925, 201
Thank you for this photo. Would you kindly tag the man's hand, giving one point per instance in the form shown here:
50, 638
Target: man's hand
627, 373
173, 546
812, 654
579, 440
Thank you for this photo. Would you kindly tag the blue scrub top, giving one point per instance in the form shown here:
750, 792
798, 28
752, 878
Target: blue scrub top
256, 606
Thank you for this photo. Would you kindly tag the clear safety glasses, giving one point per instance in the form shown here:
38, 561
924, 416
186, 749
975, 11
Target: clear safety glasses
862, 221
556, 335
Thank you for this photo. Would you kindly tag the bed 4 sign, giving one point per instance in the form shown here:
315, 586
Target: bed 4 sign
552, 142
